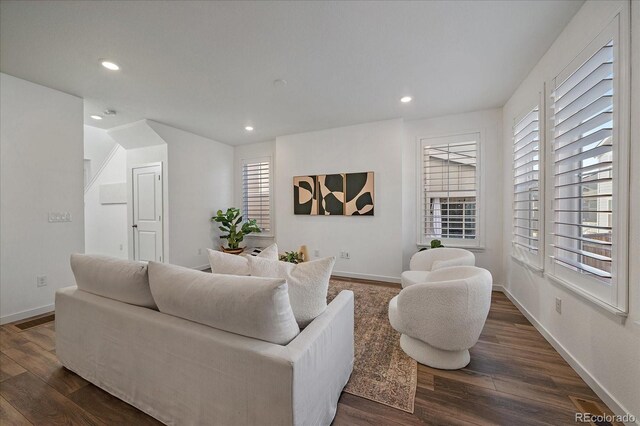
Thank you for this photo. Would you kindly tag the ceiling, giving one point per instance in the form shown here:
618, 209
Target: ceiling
209, 67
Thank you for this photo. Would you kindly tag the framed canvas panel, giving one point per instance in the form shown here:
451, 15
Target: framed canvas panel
305, 201
331, 194
359, 194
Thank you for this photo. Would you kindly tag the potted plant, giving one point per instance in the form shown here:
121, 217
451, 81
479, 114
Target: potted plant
234, 229
292, 257
436, 244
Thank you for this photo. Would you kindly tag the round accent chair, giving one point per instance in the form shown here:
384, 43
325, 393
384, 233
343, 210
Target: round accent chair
426, 261
442, 317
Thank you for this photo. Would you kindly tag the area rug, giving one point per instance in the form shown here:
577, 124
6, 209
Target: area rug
382, 372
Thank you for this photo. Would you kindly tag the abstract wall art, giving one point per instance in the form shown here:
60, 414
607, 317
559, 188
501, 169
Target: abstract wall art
331, 194
359, 194
340, 194
304, 195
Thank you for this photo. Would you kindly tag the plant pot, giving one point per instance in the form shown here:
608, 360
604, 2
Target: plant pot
232, 251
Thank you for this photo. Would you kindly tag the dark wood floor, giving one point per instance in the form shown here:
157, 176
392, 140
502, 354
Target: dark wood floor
515, 377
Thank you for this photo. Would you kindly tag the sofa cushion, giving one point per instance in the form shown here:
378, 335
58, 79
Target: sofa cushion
114, 278
308, 283
249, 306
232, 264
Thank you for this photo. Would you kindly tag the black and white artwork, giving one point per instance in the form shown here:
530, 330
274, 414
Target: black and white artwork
304, 195
359, 191
348, 194
331, 194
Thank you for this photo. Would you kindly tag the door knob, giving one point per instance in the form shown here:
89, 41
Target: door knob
134, 226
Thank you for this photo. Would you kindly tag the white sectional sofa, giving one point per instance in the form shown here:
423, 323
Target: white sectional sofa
187, 373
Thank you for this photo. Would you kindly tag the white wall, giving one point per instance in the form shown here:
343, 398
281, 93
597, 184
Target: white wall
603, 348
97, 147
41, 172
489, 124
200, 181
106, 230
374, 242
248, 152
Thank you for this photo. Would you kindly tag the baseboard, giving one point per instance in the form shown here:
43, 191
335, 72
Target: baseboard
498, 287
395, 280
591, 381
26, 314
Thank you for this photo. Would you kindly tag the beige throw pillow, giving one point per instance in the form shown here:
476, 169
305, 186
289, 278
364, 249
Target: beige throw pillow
308, 283
232, 264
249, 306
117, 279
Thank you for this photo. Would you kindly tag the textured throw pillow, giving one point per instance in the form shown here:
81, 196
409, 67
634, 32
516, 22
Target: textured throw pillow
249, 306
270, 252
232, 264
117, 279
308, 283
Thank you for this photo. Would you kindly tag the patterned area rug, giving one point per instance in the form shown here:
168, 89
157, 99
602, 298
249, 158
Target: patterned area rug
382, 372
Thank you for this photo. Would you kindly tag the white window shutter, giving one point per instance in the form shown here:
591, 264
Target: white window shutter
526, 184
256, 192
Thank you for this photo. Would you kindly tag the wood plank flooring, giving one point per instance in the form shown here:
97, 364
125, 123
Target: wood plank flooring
515, 377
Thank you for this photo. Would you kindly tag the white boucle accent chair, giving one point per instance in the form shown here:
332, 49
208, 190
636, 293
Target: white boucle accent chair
441, 318
426, 261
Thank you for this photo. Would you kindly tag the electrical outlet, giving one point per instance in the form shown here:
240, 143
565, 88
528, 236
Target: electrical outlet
344, 255
41, 280
121, 247
59, 217
558, 305
316, 253
199, 251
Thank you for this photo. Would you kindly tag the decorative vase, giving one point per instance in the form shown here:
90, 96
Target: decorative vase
232, 251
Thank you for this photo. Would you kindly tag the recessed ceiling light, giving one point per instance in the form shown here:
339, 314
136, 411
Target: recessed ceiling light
406, 99
248, 128
112, 66
96, 117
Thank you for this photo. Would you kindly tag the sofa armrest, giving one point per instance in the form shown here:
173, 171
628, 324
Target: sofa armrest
322, 358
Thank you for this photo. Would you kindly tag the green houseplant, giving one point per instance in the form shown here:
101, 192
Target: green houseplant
436, 244
234, 230
292, 257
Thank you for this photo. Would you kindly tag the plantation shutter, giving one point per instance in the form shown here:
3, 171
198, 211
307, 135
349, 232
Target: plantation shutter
582, 117
449, 186
256, 201
526, 188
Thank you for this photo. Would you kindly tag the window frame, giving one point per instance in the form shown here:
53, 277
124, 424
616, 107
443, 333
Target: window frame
476, 244
614, 297
243, 163
534, 261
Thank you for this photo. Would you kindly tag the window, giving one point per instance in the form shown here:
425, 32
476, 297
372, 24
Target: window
526, 188
590, 174
256, 192
449, 185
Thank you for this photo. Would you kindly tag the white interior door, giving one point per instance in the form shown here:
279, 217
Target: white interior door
147, 213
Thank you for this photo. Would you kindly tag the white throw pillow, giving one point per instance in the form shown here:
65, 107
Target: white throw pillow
117, 279
249, 306
232, 264
270, 252
308, 283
